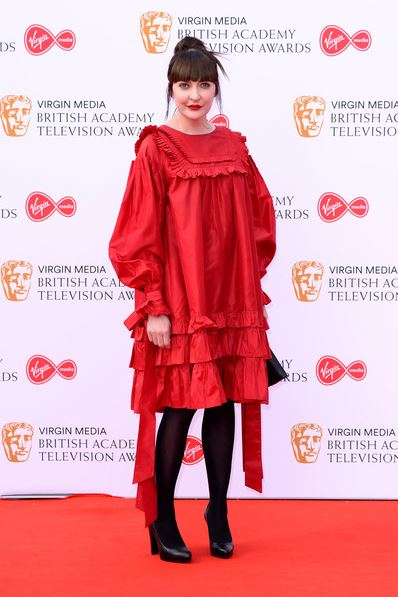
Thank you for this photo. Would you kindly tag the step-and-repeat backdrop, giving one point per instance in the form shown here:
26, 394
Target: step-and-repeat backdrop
313, 90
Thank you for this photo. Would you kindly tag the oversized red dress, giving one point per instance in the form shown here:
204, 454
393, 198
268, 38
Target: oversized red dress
194, 236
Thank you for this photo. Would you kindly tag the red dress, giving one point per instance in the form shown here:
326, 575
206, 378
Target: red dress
194, 236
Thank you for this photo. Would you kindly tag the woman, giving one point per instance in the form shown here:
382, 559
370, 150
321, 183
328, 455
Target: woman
194, 236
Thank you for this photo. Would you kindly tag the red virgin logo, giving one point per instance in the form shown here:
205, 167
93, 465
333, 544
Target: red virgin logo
40, 369
220, 120
38, 40
40, 206
193, 450
330, 370
332, 207
334, 40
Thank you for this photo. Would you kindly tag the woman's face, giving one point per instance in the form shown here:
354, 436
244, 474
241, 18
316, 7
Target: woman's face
194, 98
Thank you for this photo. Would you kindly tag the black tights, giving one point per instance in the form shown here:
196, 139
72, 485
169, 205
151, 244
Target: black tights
218, 429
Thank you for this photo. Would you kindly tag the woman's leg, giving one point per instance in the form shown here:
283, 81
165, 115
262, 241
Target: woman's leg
218, 431
170, 445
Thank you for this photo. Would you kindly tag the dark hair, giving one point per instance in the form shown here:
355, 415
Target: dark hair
192, 61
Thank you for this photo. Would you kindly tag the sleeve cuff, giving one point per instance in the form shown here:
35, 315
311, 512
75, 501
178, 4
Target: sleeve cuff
155, 303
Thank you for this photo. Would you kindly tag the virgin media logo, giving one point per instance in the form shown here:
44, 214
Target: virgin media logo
220, 120
334, 40
40, 206
38, 40
332, 207
40, 369
330, 370
193, 450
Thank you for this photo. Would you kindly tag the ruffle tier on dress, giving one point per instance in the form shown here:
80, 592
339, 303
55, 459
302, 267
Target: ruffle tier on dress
206, 367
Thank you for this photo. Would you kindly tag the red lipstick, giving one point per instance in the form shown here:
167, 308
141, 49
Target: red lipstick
194, 107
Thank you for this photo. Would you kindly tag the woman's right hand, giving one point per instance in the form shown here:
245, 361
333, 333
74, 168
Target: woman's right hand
159, 330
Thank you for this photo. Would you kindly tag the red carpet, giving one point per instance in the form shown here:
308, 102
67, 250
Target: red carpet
96, 546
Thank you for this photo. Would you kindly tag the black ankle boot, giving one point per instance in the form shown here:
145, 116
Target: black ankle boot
180, 553
219, 549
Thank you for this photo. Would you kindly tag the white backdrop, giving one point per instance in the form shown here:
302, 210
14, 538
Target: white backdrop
69, 130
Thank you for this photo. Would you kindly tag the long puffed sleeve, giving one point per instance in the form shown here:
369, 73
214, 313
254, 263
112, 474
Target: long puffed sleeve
136, 247
264, 221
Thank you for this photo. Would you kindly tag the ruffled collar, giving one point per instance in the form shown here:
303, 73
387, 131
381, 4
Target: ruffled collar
201, 149
220, 152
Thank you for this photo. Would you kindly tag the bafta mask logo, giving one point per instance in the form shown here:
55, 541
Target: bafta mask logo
307, 280
309, 111
15, 114
155, 31
306, 442
17, 441
193, 450
15, 278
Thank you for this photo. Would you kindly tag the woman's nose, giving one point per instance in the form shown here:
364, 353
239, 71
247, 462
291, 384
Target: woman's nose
194, 93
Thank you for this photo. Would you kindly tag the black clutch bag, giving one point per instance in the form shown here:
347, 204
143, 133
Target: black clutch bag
275, 370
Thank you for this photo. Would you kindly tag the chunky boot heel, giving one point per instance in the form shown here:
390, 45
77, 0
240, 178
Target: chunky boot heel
154, 545
219, 549
179, 554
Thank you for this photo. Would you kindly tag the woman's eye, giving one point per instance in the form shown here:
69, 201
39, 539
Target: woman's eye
204, 84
